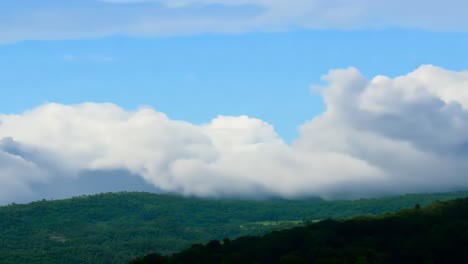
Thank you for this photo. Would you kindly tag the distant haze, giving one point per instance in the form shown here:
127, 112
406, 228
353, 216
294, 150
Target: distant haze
377, 137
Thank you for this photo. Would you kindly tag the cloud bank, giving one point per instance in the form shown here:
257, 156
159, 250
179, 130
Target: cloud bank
377, 137
29, 20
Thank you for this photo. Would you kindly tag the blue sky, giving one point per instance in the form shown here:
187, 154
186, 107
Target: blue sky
195, 78
214, 98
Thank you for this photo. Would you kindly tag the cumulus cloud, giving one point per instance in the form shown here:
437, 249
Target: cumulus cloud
16, 172
377, 137
413, 127
181, 17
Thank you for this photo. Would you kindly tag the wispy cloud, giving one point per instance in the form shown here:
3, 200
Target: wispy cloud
379, 136
87, 57
171, 17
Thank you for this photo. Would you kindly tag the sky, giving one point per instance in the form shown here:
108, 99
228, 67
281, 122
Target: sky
223, 98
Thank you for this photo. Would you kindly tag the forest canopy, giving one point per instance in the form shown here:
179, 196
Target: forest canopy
118, 227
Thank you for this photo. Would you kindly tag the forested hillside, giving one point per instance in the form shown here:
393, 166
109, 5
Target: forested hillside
117, 227
436, 234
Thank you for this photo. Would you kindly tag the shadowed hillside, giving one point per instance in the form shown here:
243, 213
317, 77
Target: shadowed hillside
436, 234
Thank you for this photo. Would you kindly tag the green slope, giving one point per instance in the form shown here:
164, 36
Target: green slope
117, 227
436, 234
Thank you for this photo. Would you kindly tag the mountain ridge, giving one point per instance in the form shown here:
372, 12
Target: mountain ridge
117, 227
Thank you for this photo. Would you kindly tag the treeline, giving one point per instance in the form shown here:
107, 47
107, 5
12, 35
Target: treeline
436, 234
117, 227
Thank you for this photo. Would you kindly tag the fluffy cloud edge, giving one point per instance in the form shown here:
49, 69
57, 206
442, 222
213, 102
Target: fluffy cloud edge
377, 137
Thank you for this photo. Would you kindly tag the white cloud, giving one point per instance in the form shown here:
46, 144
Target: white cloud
181, 17
16, 173
379, 136
410, 127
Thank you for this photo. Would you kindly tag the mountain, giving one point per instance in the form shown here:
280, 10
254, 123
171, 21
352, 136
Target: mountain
436, 234
117, 227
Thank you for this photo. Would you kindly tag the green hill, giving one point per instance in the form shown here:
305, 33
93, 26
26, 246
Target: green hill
436, 234
117, 227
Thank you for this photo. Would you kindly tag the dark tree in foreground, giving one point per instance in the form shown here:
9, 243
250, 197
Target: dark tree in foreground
436, 234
